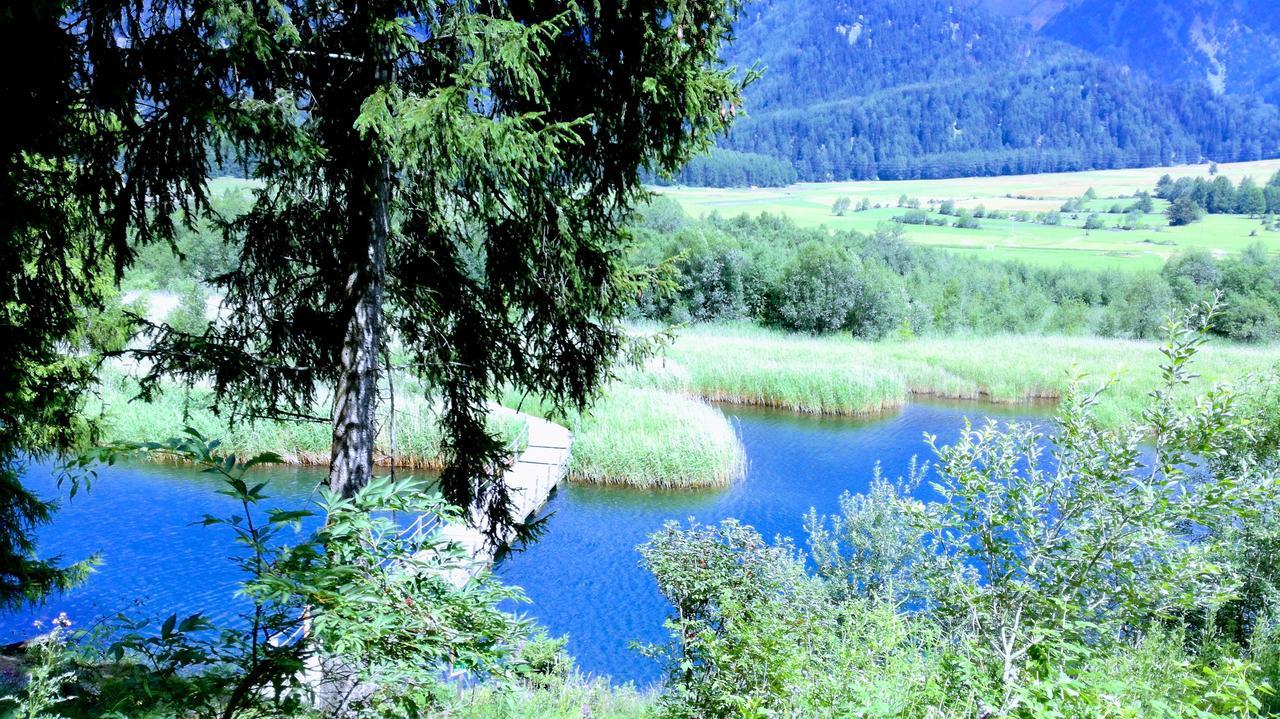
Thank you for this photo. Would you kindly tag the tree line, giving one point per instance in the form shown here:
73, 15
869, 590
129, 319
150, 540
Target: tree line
1190, 196
768, 270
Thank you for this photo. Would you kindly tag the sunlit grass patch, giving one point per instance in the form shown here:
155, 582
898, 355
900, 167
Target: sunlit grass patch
652, 438
826, 376
417, 442
646, 431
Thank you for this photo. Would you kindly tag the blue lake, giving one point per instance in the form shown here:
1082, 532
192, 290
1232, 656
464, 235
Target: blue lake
582, 577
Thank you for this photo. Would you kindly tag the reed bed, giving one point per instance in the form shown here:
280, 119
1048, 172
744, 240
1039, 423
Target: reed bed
796, 373
655, 439
417, 442
654, 429
840, 375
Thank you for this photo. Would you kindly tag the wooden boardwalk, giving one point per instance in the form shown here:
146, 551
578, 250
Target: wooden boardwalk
534, 474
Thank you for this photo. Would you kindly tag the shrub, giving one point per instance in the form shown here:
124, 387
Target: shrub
1068, 573
744, 611
870, 549
913, 217
542, 662
819, 288
967, 221
1183, 211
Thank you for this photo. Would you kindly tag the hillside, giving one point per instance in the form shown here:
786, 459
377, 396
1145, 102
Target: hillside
1233, 45
857, 89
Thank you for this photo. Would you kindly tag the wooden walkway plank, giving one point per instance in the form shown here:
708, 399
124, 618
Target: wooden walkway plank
530, 480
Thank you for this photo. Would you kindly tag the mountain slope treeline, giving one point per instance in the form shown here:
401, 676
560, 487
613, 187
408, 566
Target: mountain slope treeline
1234, 45
856, 89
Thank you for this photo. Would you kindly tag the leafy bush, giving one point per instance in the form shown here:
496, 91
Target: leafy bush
744, 610
359, 618
819, 289
871, 549
913, 217
542, 661
1063, 573
967, 221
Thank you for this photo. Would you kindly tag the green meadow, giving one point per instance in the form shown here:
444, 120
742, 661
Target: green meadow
810, 204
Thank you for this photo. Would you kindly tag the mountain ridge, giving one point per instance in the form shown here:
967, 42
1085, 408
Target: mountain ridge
855, 89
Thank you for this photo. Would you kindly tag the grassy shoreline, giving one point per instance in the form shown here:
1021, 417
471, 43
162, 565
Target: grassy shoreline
842, 376
647, 434
655, 427
417, 441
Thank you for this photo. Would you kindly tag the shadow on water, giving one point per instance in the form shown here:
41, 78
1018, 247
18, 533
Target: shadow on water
141, 519
583, 575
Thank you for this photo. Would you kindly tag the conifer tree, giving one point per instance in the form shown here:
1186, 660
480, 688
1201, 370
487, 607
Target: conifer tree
437, 184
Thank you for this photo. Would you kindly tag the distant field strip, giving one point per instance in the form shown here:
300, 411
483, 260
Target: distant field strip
809, 204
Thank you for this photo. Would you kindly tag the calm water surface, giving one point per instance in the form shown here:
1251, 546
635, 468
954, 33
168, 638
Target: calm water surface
583, 577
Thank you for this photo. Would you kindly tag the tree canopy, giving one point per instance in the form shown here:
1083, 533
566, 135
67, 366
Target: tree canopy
439, 187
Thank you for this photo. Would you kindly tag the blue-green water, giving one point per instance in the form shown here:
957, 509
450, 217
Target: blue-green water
153, 561
583, 576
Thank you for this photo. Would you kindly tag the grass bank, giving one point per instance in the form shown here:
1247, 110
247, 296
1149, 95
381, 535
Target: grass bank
839, 375
654, 427
417, 440
648, 433
655, 439
642, 435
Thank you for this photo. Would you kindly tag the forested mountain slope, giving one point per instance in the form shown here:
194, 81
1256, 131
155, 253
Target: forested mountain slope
867, 89
1234, 45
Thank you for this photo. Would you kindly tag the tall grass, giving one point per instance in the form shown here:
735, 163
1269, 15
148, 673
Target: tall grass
655, 439
417, 440
572, 698
800, 373
646, 431
839, 375
653, 428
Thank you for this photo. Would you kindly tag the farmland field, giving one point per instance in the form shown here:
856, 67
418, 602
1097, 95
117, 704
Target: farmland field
810, 204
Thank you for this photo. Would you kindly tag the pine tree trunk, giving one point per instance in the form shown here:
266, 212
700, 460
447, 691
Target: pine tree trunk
354, 427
